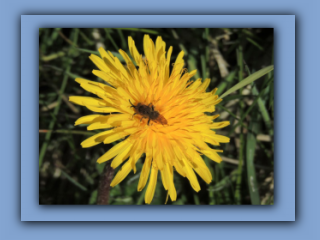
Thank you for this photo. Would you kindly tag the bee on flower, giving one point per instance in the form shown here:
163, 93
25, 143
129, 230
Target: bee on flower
156, 112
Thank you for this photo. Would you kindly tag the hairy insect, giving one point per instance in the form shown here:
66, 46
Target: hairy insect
147, 111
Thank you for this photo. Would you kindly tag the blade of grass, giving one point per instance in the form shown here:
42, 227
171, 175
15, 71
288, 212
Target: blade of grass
45, 40
255, 44
108, 36
53, 56
264, 112
83, 188
203, 66
224, 83
193, 65
123, 41
196, 199
181, 46
93, 197
141, 198
226, 191
271, 88
54, 36
211, 194
249, 79
207, 51
72, 43
225, 182
218, 195
251, 173
66, 71
85, 38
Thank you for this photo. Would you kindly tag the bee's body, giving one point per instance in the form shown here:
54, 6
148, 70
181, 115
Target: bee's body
147, 111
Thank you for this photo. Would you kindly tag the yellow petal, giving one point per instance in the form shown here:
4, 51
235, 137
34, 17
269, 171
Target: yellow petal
106, 77
122, 156
117, 134
98, 125
145, 172
191, 176
113, 69
88, 119
99, 63
121, 174
133, 50
221, 138
164, 179
152, 185
219, 125
172, 189
87, 101
95, 89
94, 140
212, 154
202, 170
102, 109
115, 150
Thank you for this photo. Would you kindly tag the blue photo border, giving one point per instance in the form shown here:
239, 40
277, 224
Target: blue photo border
284, 207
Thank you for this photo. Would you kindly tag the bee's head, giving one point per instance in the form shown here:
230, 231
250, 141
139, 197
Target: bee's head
143, 109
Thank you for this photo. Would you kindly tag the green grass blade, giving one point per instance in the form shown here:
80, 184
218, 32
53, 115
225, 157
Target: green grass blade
123, 40
108, 35
181, 46
141, 197
203, 66
224, 183
263, 111
255, 44
224, 84
83, 188
192, 63
85, 38
211, 193
93, 197
88, 51
248, 80
196, 199
251, 173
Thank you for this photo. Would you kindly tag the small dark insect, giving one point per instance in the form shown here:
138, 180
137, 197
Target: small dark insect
147, 111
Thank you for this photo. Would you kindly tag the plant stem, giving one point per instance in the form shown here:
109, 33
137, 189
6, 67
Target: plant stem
104, 186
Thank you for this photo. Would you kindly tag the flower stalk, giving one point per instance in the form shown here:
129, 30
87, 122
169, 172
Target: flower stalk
104, 185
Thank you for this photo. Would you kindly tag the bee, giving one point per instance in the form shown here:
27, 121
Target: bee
147, 111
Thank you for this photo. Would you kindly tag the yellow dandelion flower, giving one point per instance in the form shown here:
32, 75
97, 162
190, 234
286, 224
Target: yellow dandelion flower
156, 112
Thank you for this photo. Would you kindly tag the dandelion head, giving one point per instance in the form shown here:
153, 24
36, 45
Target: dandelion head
154, 111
